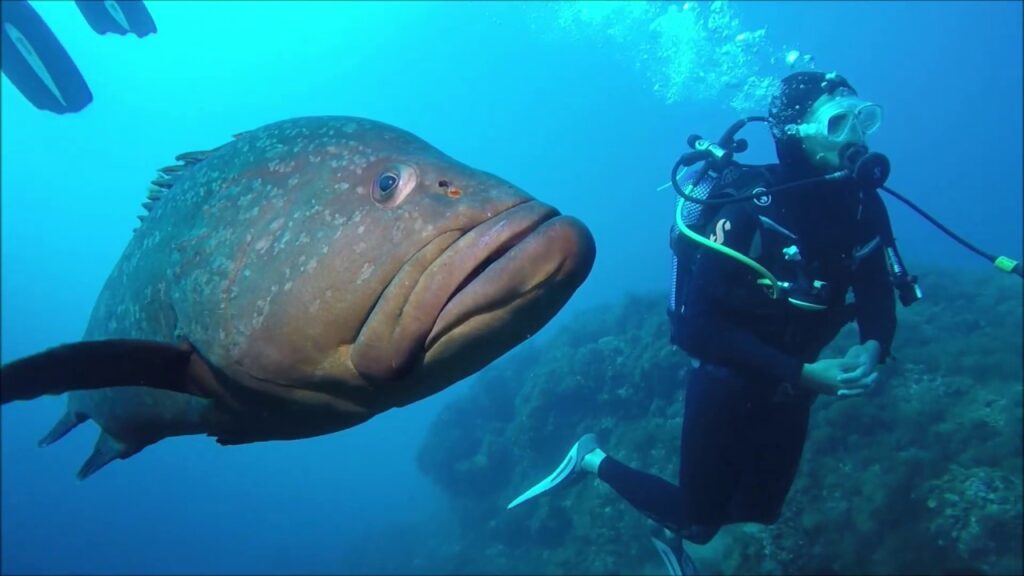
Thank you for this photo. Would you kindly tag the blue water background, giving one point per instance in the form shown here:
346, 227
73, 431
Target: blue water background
568, 111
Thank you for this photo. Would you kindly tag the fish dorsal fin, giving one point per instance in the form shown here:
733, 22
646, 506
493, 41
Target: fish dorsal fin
167, 177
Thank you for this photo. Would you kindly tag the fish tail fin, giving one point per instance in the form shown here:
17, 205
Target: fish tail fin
67, 423
107, 450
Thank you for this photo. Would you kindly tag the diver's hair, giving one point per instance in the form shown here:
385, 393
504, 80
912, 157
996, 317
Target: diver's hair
795, 95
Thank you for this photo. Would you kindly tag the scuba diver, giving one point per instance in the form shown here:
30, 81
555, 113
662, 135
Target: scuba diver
38, 65
764, 259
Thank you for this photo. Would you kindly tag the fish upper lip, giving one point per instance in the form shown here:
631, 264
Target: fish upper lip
506, 244
520, 227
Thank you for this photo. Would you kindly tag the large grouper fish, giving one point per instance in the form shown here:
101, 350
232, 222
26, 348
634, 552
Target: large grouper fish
301, 279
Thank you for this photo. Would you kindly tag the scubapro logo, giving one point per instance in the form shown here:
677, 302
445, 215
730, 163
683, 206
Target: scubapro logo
764, 200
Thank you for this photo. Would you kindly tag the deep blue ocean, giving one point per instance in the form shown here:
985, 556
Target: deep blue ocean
586, 106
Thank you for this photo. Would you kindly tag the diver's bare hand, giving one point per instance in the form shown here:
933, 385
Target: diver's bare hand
827, 377
867, 356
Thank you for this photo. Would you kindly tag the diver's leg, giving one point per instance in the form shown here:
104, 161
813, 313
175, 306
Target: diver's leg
708, 473
774, 447
655, 497
710, 460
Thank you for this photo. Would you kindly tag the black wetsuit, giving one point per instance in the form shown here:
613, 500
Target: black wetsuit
745, 418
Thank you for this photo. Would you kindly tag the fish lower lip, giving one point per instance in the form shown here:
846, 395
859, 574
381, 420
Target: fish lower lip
498, 253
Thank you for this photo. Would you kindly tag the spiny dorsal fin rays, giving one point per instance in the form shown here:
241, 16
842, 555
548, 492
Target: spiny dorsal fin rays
167, 176
164, 183
190, 158
172, 169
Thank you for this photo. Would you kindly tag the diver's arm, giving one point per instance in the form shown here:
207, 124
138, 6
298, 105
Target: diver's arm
705, 332
710, 337
874, 296
875, 302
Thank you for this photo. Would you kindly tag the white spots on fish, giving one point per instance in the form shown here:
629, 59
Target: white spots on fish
361, 189
365, 272
262, 305
282, 241
287, 285
361, 228
263, 243
349, 127
245, 199
281, 166
277, 224
303, 239
294, 181
251, 213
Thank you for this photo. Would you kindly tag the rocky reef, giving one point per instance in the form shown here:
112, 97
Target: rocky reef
922, 475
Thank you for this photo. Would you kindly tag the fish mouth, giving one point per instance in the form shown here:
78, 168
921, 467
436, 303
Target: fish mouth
488, 258
479, 295
526, 268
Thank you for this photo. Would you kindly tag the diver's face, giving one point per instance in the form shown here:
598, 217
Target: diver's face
834, 121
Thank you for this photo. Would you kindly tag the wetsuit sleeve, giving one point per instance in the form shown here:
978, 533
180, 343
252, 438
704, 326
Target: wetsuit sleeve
874, 296
707, 332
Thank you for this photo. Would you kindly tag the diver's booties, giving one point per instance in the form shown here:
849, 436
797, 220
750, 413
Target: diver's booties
584, 456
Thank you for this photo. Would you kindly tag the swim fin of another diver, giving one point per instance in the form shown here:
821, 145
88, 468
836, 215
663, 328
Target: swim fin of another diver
36, 62
119, 17
567, 471
94, 364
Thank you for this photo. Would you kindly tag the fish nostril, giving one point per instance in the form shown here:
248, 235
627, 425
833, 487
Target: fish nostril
443, 183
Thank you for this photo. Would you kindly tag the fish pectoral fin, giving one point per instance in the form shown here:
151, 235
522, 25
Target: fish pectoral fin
96, 364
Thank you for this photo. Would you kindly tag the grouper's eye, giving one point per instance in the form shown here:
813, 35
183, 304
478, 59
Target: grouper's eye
386, 184
392, 184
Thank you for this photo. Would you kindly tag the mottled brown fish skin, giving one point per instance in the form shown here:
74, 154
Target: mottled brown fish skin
318, 299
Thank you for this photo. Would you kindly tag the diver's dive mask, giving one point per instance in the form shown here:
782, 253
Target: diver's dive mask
847, 118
